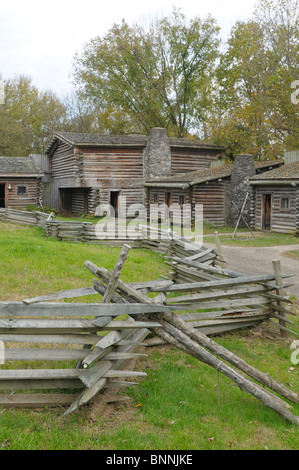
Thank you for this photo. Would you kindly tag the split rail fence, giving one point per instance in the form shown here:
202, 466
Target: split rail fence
24, 217
88, 345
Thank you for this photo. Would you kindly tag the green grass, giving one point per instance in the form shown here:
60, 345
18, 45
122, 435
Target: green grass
262, 239
32, 265
293, 254
176, 406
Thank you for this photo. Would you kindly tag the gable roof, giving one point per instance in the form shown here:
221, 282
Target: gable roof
18, 166
81, 140
206, 174
286, 173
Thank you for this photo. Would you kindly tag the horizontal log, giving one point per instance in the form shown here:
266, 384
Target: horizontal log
225, 293
37, 354
50, 339
39, 374
36, 400
121, 325
47, 384
48, 309
230, 321
65, 294
215, 284
219, 271
221, 303
190, 317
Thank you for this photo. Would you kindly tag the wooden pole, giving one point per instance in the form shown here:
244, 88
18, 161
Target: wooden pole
189, 346
278, 278
219, 250
240, 215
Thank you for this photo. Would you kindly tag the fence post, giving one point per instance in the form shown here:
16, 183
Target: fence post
219, 250
279, 283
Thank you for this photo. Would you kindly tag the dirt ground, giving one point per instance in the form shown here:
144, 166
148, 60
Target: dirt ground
252, 260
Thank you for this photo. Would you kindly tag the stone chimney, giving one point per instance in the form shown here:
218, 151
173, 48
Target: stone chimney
243, 169
157, 155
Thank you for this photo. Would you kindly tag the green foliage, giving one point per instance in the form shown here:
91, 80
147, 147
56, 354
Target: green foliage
172, 73
28, 117
255, 75
154, 75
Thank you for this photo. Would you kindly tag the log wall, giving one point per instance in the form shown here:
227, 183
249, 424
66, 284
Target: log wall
283, 220
13, 200
186, 160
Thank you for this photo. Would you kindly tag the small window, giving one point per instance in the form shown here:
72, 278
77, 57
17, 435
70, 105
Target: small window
285, 203
22, 190
181, 200
155, 198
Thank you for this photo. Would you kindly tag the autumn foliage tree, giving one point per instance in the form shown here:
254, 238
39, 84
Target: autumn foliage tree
28, 117
255, 77
157, 76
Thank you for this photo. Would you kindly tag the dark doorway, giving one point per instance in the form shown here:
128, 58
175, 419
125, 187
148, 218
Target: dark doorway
266, 211
168, 199
114, 201
66, 200
167, 205
2, 195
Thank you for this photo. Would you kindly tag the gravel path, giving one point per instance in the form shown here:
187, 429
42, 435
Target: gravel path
252, 260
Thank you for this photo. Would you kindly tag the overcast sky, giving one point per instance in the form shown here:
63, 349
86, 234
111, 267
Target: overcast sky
39, 38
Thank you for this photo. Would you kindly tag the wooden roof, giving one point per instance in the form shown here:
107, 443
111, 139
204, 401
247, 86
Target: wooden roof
206, 174
19, 166
287, 173
80, 139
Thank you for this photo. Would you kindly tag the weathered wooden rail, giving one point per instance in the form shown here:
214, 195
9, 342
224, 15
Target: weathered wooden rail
24, 217
55, 334
90, 344
223, 300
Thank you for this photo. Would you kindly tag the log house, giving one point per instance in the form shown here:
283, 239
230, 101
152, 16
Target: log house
86, 170
276, 199
20, 183
214, 188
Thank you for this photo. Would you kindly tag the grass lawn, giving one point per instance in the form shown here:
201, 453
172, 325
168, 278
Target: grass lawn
292, 254
176, 406
244, 238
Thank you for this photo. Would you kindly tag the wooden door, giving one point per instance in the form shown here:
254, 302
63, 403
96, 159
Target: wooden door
2, 195
114, 201
266, 213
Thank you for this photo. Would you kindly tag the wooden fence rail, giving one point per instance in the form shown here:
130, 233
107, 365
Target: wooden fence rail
84, 347
25, 217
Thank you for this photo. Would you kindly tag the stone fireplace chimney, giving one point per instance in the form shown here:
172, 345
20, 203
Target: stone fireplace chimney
243, 169
157, 155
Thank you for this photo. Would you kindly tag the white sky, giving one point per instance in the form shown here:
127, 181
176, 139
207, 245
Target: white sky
39, 38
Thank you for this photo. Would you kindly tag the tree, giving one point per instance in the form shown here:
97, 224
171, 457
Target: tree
30, 114
255, 76
12, 135
155, 76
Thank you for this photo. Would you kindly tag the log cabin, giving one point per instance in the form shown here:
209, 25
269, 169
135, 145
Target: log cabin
20, 183
220, 190
86, 170
276, 199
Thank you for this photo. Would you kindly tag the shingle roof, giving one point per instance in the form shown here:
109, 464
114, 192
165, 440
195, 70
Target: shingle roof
139, 140
209, 174
12, 166
285, 172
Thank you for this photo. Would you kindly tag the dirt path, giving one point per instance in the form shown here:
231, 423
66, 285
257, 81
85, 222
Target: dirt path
251, 260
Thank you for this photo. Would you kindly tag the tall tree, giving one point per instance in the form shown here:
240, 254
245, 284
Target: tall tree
255, 76
157, 76
32, 114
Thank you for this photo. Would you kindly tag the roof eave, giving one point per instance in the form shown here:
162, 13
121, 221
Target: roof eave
291, 182
167, 185
20, 175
